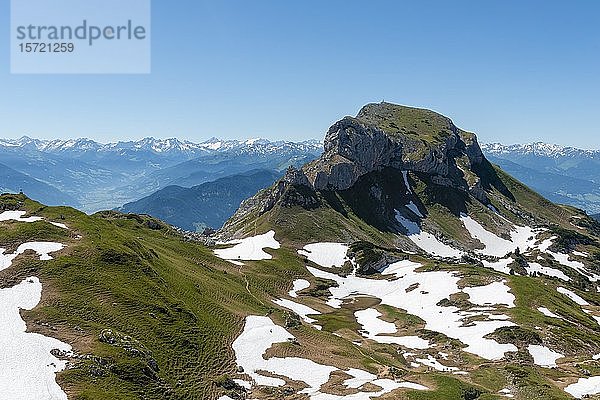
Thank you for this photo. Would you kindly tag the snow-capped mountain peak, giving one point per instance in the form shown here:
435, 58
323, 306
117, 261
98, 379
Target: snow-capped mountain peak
540, 149
170, 146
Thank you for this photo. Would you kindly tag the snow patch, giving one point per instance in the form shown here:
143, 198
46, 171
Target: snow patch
563, 259
327, 255
400, 268
18, 216
28, 368
548, 313
546, 243
506, 393
300, 309
426, 241
584, 386
405, 176
577, 299
578, 266
43, 249
374, 328
500, 265
298, 285
413, 207
430, 361
494, 293
537, 268
250, 248
243, 383
543, 356
493, 209
522, 237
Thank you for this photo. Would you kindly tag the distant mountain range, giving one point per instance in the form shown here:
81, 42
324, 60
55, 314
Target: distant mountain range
89, 150
207, 205
94, 176
562, 174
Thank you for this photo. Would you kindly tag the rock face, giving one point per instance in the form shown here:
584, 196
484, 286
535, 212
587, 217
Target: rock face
388, 135
352, 149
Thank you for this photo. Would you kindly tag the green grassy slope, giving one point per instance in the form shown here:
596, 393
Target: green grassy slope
177, 304
149, 315
153, 317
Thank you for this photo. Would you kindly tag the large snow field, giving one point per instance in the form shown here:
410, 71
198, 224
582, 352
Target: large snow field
260, 333
375, 329
327, 255
250, 248
431, 288
584, 386
28, 368
43, 249
426, 241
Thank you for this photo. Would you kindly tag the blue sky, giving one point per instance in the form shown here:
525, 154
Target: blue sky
512, 71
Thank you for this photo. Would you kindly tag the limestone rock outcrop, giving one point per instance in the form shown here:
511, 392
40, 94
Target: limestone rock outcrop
387, 135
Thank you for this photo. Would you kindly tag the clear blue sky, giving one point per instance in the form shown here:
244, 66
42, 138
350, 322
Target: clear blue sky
512, 71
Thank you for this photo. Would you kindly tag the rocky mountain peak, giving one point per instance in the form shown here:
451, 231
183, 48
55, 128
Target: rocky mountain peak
385, 135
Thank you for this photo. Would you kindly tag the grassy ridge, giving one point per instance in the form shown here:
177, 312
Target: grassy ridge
176, 305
